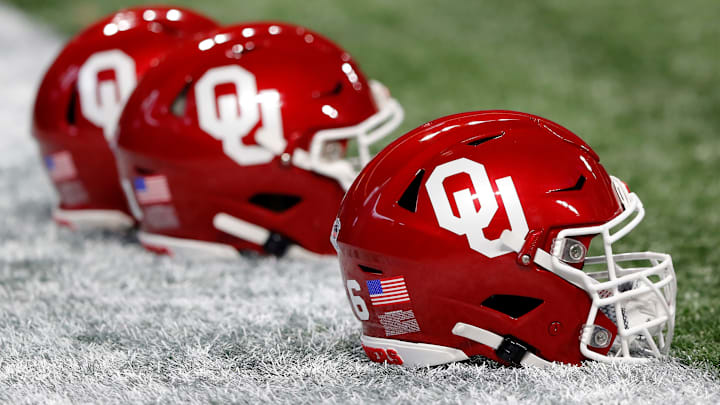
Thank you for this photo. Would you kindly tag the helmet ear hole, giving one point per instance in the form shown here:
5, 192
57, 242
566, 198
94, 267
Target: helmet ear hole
514, 306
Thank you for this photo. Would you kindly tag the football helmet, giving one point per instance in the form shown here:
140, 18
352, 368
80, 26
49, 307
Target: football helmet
247, 139
80, 100
470, 236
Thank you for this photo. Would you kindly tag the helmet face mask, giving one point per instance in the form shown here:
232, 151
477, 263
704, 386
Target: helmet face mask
490, 243
323, 157
644, 295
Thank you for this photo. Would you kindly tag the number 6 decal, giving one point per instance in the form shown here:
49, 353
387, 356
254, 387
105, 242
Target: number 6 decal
358, 304
232, 117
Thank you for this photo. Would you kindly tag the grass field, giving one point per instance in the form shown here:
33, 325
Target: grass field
639, 81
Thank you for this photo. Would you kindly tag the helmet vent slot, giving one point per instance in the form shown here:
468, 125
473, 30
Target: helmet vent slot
275, 202
485, 139
408, 199
178, 105
514, 306
144, 171
577, 187
367, 269
337, 89
70, 113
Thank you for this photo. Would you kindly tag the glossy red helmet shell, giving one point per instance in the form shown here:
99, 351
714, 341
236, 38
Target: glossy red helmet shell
424, 239
80, 100
234, 128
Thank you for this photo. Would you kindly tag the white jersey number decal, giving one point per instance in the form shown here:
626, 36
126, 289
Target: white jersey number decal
231, 117
105, 82
358, 304
472, 222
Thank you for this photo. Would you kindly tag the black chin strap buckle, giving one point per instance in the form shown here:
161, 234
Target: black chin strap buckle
276, 244
512, 351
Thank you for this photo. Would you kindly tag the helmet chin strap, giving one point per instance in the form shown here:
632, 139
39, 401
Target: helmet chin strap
270, 241
506, 348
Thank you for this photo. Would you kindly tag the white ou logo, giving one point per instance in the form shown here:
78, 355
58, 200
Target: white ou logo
472, 222
105, 82
231, 117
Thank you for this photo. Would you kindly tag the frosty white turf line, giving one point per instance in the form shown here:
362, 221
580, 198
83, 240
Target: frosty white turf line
91, 219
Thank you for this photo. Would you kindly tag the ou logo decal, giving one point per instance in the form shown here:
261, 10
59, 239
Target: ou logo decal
105, 82
231, 117
471, 222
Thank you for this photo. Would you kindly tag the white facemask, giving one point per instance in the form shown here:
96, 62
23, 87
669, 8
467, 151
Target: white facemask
325, 153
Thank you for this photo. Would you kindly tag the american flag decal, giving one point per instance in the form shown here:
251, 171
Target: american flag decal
152, 189
60, 166
388, 291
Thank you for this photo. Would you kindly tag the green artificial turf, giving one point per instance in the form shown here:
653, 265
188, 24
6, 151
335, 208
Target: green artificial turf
639, 81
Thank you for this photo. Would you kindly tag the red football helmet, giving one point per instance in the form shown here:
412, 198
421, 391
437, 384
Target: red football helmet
468, 236
241, 141
80, 100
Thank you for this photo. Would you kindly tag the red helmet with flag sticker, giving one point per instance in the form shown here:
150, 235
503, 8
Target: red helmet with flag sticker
81, 98
469, 236
247, 139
